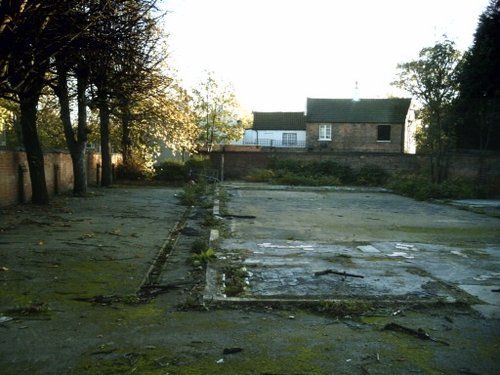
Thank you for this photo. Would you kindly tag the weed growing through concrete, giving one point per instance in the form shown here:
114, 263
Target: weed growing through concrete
235, 280
204, 256
343, 308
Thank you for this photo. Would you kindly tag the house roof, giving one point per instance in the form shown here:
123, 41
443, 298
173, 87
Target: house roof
389, 111
279, 121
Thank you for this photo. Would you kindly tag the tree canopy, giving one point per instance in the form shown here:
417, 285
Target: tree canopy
478, 104
217, 114
103, 55
432, 81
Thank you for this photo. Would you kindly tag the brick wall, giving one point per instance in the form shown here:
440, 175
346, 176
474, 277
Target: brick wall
355, 137
238, 164
15, 183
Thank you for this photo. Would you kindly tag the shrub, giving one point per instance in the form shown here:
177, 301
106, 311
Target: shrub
171, 170
458, 188
288, 178
331, 168
198, 162
193, 194
296, 172
371, 175
260, 175
132, 171
422, 188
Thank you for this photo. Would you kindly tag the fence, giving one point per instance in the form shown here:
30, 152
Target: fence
267, 142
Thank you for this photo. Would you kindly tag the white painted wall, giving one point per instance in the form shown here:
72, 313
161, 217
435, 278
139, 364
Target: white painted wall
271, 137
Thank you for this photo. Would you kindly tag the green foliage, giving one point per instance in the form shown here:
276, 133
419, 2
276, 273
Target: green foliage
171, 170
330, 168
371, 175
323, 172
343, 308
432, 81
179, 171
479, 91
422, 188
197, 194
204, 256
261, 175
329, 173
289, 178
235, 281
216, 110
191, 194
199, 246
133, 171
198, 162
318, 173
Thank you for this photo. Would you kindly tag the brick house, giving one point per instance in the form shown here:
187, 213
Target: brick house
339, 125
364, 125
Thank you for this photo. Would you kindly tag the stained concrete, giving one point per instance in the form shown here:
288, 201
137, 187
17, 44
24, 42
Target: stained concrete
398, 249
54, 259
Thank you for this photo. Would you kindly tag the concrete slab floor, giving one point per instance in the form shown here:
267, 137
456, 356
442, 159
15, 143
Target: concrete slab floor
346, 244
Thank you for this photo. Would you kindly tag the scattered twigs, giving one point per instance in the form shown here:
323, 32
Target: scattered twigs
343, 273
419, 333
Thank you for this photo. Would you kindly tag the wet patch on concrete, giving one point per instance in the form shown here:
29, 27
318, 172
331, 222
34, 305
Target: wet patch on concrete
296, 249
316, 271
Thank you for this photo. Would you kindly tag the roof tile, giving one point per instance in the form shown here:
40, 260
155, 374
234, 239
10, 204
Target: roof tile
389, 111
279, 121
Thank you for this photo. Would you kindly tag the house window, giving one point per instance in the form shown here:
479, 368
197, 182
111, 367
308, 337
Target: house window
325, 132
384, 133
289, 139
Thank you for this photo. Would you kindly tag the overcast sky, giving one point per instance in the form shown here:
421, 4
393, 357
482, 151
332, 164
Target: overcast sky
276, 53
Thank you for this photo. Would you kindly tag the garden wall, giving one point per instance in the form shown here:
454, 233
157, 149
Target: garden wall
15, 185
238, 163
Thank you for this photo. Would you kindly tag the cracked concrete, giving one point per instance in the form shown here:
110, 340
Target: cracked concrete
102, 246
401, 249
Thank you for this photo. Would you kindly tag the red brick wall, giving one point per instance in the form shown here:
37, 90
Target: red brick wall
348, 137
58, 174
239, 164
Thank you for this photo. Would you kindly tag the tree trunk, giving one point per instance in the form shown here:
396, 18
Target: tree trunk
76, 145
107, 172
79, 167
28, 106
126, 141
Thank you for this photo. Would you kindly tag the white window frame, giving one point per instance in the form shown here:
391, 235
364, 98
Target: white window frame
325, 132
289, 139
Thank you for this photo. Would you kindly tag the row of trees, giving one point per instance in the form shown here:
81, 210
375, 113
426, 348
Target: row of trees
105, 62
460, 95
